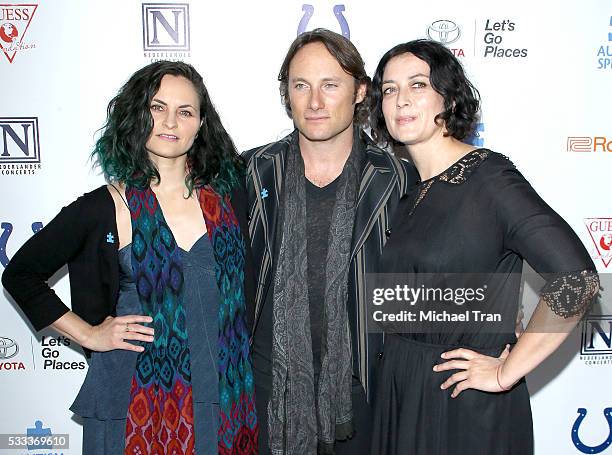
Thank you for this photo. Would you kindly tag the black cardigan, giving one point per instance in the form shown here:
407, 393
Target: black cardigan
84, 236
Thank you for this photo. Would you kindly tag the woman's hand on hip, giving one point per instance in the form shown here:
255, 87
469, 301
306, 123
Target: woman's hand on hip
477, 371
115, 332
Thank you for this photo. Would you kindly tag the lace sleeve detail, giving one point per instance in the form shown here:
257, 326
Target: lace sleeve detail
570, 294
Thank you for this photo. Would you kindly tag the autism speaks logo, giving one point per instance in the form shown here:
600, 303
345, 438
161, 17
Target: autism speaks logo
604, 52
15, 20
476, 139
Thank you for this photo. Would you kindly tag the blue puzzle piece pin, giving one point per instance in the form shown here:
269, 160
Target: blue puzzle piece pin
110, 238
264, 193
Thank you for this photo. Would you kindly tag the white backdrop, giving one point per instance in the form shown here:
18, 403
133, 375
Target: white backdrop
545, 106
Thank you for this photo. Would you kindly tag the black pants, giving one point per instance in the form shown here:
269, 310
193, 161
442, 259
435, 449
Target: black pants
362, 421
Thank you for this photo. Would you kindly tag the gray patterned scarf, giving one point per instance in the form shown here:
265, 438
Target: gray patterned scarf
303, 417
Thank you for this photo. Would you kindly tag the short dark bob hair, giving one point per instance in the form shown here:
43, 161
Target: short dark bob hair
347, 56
121, 153
461, 98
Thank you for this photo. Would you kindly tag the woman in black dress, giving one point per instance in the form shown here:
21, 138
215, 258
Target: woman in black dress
458, 390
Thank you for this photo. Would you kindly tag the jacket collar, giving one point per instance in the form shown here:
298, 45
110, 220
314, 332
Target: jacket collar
375, 186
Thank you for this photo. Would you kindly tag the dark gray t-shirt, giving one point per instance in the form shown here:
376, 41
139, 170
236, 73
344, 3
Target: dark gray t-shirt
319, 207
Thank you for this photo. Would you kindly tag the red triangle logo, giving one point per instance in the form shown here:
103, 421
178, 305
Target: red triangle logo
600, 230
15, 21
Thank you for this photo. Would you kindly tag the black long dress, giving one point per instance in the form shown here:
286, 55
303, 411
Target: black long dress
480, 215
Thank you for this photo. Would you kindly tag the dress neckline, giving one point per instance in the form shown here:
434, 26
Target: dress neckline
205, 235
458, 172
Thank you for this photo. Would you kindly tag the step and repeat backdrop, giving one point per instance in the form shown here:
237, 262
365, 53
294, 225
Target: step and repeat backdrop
544, 70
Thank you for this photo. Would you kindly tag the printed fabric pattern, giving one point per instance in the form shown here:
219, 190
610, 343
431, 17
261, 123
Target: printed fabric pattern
160, 415
238, 429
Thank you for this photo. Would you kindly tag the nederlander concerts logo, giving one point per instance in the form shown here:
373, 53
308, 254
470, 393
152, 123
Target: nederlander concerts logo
165, 31
20, 147
14, 23
600, 230
596, 343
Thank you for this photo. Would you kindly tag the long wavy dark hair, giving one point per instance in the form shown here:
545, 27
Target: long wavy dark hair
461, 98
121, 153
347, 55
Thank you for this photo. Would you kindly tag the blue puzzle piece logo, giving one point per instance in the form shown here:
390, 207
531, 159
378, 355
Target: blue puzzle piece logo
39, 431
476, 139
264, 193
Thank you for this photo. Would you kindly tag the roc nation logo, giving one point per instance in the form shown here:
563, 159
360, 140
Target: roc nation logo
15, 21
20, 147
600, 230
165, 31
589, 144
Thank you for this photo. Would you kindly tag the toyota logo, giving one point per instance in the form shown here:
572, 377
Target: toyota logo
8, 348
444, 31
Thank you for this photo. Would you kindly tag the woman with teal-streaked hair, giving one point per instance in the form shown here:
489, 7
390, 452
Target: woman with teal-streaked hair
160, 277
